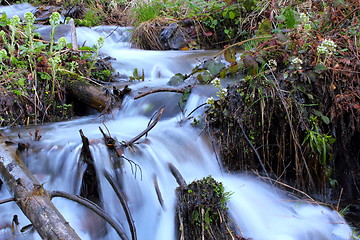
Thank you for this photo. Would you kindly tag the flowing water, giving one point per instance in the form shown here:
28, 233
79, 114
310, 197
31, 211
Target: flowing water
259, 211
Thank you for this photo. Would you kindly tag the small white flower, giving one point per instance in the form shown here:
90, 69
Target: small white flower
272, 62
327, 47
322, 50
296, 61
304, 18
216, 82
210, 101
329, 44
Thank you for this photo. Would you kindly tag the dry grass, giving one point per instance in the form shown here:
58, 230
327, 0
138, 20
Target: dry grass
146, 35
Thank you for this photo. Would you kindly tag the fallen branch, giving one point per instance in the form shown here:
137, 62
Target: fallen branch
123, 204
158, 192
177, 175
151, 125
7, 200
92, 206
32, 198
156, 90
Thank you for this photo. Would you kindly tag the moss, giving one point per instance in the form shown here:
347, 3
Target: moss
202, 211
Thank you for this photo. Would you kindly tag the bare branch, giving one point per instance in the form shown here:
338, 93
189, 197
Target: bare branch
7, 200
158, 192
156, 90
151, 125
123, 203
94, 207
177, 175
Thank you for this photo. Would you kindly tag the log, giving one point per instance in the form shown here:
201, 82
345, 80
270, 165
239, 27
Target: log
93, 96
32, 198
90, 95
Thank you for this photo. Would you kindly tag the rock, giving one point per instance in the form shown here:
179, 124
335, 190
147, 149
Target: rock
174, 37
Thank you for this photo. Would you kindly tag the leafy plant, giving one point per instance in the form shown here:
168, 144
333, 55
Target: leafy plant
54, 22
146, 10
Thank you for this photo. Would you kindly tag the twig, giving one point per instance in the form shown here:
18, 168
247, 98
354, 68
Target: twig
177, 175
7, 200
131, 162
241, 43
355, 10
201, 105
281, 96
292, 188
123, 203
158, 192
338, 203
156, 90
92, 206
153, 123
112, 32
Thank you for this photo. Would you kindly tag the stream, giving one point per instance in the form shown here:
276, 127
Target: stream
259, 210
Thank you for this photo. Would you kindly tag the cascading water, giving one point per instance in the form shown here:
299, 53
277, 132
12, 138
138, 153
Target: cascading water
259, 210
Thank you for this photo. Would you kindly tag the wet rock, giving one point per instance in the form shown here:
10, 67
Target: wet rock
174, 37
43, 13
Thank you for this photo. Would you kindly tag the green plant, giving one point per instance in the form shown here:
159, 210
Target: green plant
91, 18
54, 63
320, 143
146, 10
13, 25
137, 76
54, 22
96, 48
3, 56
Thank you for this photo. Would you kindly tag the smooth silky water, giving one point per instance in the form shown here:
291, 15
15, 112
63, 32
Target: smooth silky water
260, 211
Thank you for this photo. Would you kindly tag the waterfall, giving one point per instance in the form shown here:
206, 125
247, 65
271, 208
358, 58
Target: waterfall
259, 210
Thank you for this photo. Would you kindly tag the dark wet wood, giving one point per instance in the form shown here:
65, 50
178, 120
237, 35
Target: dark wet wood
32, 198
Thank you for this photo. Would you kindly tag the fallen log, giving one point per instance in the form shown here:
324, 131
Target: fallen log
32, 198
95, 97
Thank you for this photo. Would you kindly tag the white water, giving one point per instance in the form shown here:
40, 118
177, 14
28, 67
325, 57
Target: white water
260, 211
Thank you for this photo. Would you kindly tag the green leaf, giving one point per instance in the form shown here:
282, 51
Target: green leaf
17, 92
176, 79
232, 14
317, 113
320, 68
325, 119
264, 27
229, 55
85, 48
214, 67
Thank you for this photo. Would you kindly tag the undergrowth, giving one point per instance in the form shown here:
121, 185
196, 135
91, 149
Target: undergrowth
32, 72
292, 109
